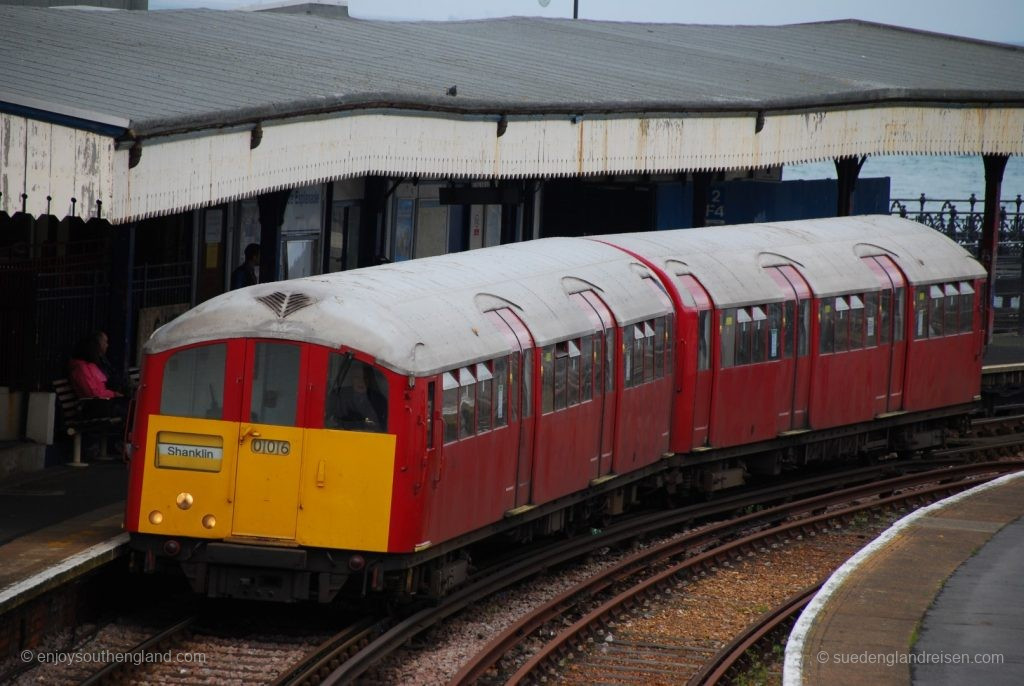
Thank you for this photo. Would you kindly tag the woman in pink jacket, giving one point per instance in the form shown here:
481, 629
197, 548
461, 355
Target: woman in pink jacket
90, 381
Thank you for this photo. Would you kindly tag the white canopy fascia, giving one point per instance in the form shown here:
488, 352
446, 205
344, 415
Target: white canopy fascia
204, 168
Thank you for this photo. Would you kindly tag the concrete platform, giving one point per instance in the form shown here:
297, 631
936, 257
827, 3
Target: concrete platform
1004, 349
883, 618
57, 524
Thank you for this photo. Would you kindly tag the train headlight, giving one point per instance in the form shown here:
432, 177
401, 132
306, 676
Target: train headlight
209, 521
171, 547
156, 517
184, 500
356, 562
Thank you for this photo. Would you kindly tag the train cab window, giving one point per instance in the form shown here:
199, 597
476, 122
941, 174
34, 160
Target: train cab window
803, 328
744, 328
467, 403
966, 307
275, 384
547, 378
870, 320
842, 325
703, 340
775, 336
587, 362
856, 322
357, 396
501, 387
950, 307
193, 383
484, 388
898, 308
727, 332
921, 312
827, 324
450, 406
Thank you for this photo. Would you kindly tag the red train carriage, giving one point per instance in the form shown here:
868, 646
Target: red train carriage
364, 427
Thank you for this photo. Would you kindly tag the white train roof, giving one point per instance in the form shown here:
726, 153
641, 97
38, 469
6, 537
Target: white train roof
427, 315
422, 316
729, 261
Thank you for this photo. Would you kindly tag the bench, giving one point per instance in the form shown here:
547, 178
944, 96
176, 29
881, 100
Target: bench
76, 425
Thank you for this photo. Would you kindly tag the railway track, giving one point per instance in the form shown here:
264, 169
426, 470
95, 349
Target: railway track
593, 605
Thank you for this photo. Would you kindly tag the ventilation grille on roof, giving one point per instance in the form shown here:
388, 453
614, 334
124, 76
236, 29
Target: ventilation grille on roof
283, 304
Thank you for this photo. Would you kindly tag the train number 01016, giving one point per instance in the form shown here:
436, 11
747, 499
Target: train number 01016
269, 446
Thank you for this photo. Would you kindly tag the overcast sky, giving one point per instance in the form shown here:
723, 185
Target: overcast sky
997, 20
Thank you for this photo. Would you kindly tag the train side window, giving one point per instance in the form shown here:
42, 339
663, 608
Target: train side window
467, 403
884, 316
430, 414
842, 325
921, 312
659, 347
450, 407
898, 308
572, 385
966, 307
638, 354
935, 318
669, 326
587, 362
627, 357
703, 340
275, 385
194, 382
501, 386
827, 324
787, 344
951, 305
803, 327
527, 384
744, 329
514, 384
870, 320
856, 322
775, 337
484, 388
759, 330
561, 364
649, 336
727, 332
609, 360
547, 378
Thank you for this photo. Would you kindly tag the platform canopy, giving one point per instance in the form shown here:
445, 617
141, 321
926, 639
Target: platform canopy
141, 114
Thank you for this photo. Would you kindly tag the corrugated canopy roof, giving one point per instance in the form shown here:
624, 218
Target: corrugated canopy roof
173, 70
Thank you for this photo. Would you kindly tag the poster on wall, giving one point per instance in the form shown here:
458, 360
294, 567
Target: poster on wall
403, 229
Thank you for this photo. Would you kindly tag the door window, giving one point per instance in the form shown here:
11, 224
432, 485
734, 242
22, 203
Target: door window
357, 396
275, 384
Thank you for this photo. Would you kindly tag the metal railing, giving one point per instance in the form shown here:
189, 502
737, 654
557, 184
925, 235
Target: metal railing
961, 219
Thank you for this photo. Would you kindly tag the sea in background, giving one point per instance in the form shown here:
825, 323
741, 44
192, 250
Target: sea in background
952, 177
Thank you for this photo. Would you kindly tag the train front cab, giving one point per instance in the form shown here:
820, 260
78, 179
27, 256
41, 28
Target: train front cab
252, 456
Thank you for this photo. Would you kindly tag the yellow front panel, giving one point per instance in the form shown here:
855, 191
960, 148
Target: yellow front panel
267, 481
188, 475
345, 494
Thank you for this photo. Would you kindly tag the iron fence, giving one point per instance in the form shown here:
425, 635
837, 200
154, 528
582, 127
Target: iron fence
961, 219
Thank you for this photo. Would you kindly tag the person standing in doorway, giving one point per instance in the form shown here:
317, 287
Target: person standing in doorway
247, 273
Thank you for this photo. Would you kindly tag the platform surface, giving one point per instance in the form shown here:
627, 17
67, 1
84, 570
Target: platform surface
1004, 349
870, 622
57, 524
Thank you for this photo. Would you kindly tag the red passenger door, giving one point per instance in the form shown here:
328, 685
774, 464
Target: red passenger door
520, 416
795, 339
703, 382
891, 308
604, 375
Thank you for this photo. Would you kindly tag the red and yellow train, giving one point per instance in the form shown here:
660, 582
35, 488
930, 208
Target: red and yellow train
358, 430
